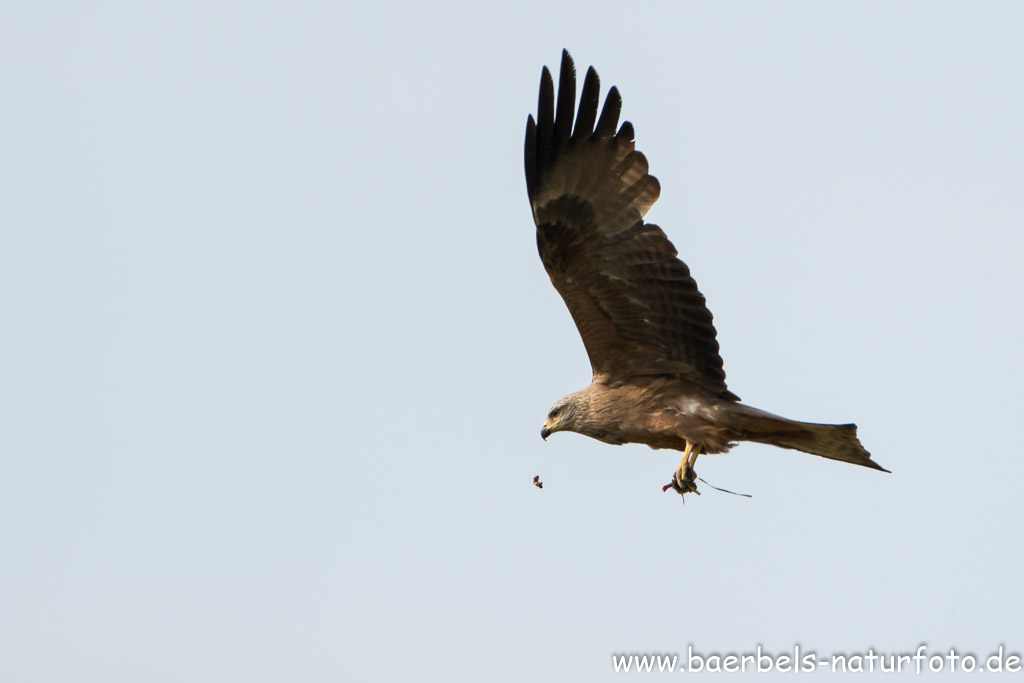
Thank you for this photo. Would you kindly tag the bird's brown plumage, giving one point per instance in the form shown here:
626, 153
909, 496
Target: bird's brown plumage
658, 376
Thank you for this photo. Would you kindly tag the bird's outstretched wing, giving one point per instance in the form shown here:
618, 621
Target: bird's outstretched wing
636, 306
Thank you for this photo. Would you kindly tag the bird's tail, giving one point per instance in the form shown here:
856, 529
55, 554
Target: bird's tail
836, 442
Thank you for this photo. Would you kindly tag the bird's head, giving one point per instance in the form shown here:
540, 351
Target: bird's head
563, 416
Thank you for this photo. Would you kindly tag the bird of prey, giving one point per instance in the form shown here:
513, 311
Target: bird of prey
658, 377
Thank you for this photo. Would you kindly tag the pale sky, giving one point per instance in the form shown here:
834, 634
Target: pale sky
278, 344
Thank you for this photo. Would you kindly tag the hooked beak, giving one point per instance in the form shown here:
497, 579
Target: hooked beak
545, 433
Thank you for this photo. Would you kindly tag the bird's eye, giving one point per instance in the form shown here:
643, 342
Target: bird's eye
554, 413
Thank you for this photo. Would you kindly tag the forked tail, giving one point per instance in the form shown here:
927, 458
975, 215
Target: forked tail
836, 442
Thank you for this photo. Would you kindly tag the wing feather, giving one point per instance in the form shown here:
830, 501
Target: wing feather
566, 100
587, 114
634, 302
610, 114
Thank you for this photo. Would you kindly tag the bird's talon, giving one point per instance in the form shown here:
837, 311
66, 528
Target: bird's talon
683, 481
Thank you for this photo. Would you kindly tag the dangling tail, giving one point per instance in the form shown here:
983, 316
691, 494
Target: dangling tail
836, 442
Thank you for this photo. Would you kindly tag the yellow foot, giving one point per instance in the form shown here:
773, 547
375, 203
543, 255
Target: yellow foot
685, 479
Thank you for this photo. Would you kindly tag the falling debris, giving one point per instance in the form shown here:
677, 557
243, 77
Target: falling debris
537, 482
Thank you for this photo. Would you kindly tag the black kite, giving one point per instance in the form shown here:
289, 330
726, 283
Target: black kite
658, 378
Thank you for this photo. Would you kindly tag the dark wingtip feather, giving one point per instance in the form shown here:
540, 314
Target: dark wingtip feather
626, 131
566, 99
545, 118
546, 99
587, 113
609, 114
530, 155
